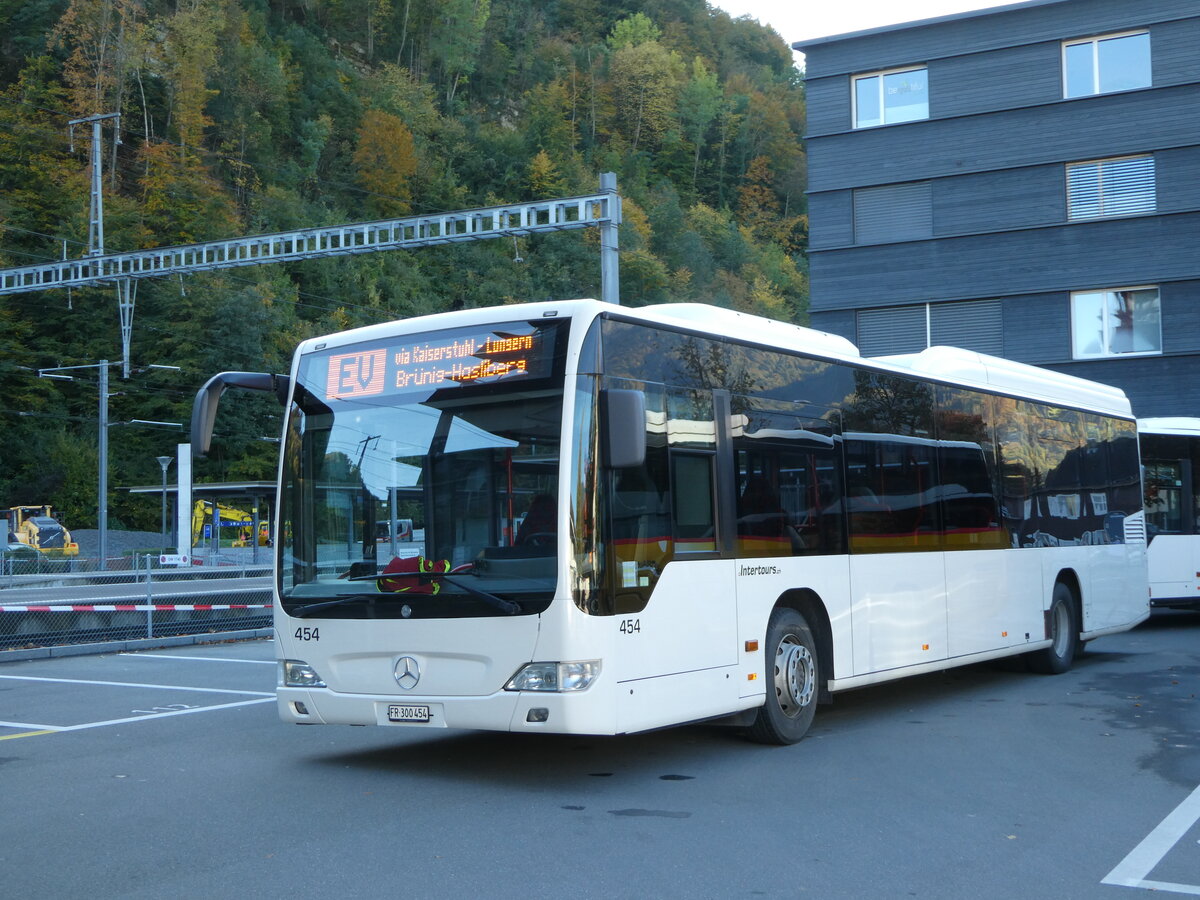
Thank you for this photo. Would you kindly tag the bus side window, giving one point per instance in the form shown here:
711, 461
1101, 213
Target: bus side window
966, 442
692, 502
639, 521
788, 484
891, 494
1017, 469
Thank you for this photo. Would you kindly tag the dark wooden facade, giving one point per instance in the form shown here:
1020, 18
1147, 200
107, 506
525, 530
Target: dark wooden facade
989, 164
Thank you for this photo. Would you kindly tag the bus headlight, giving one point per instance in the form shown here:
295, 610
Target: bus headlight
297, 673
555, 676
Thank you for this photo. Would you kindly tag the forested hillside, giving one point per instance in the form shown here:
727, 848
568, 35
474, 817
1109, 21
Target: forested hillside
241, 117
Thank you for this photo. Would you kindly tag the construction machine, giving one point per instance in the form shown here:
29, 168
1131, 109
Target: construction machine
35, 526
241, 521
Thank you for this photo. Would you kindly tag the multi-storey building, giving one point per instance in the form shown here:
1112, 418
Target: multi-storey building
1022, 180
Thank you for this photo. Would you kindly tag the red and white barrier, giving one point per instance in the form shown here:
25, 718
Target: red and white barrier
131, 607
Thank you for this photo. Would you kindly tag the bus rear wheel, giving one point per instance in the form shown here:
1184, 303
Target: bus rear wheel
793, 674
1064, 635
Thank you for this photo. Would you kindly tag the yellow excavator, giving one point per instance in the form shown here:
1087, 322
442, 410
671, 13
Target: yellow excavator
243, 522
35, 526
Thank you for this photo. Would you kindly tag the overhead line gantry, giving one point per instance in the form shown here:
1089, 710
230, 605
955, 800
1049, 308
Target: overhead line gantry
601, 210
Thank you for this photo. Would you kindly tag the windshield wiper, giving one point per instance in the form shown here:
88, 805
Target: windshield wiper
301, 611
505, 606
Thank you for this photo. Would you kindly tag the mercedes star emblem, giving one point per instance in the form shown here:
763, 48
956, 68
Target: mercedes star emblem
408, 672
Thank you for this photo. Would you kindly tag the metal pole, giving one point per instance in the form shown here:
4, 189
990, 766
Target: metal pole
102, 504
96, 223
254, 526
126, 295
214, 546
165, 462
183, 501
149, 601
394, 525
610, 287
96, 211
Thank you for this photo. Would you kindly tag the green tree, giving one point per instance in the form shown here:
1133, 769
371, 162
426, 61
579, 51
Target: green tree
455, 41
643, 80
699, 104
634, 31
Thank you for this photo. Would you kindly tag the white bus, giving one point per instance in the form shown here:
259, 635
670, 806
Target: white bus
1170, 464
636, 518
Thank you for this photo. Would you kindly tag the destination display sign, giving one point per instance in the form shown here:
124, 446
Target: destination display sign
461, 357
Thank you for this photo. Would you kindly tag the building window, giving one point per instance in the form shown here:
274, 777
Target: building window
888, 98
893, 212
1110, 187
1116, 62
970, 324
1118, 322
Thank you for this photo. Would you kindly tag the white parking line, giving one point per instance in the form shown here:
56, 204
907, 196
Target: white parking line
164, 687
1133, 869
162, 715
260, 662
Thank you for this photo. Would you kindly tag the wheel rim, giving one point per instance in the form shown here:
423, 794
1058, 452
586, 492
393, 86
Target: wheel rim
1062, 629
795, 676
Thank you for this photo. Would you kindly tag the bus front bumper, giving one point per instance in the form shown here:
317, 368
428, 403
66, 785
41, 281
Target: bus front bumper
527, 711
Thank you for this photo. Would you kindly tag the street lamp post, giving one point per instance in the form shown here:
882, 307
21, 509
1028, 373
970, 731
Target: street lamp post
165, 462
102, 490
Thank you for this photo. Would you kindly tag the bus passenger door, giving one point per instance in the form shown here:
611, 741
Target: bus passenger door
897, 567
790, 533
672, 592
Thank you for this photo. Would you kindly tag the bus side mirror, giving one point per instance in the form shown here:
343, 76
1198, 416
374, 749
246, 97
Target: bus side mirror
624, 421
204, 409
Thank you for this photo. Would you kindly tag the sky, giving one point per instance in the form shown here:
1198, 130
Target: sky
798, 20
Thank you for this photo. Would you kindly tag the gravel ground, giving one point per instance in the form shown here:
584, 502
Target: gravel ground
122, 543
119, 542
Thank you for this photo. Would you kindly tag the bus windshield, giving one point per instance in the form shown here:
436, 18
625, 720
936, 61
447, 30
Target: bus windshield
399, 501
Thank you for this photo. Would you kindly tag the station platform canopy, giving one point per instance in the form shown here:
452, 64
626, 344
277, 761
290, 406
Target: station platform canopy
211, 490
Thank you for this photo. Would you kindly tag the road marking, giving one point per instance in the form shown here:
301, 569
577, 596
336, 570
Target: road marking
48, 729
131, 684
29, 725
258, 662
9, 737
1133, 869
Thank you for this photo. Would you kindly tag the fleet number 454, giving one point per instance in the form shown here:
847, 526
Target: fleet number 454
307, 634
630, 626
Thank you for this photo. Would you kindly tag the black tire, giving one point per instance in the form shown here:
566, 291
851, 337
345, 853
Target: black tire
793, 680
1064, 632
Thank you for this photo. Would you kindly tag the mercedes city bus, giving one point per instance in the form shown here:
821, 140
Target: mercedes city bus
620, 519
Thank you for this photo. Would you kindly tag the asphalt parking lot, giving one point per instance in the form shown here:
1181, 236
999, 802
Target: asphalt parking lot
167, 773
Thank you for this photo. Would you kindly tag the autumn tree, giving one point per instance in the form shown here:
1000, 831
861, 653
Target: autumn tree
100, 37
759, 207
190, 51
385, 160
544, 179
181, 202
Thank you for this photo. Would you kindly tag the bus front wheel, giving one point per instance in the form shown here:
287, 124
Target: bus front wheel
1064, 635
793, 676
